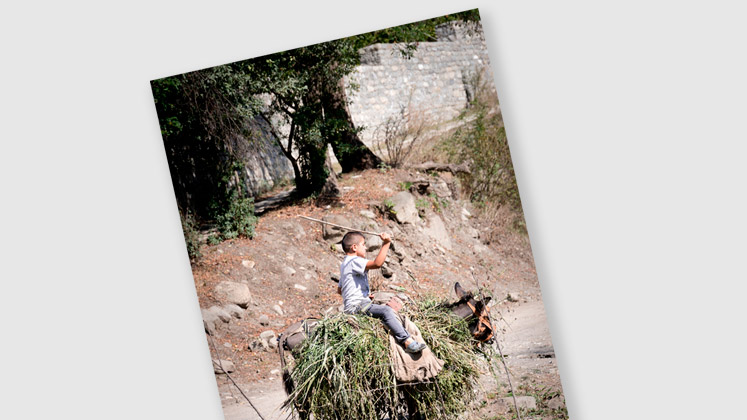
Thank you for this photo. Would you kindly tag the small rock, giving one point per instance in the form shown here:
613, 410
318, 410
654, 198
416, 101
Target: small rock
264, 320
335, 277
480, 248
466, 212
403, 204
248, 263
307, 276
338, 248
227, 345
386, 271
472, 232
556, 403
367, 213
373, 243
275, 372
512, 297
221, 313
259, 345
232, 292
289, 271
524, 401
331, 233
277, 309
235, 310
223, 366
210, 321
299, 287
269, 338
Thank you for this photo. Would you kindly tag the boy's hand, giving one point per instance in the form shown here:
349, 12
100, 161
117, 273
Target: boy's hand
386, 238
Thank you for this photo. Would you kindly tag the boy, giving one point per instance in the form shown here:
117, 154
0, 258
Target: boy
355, 290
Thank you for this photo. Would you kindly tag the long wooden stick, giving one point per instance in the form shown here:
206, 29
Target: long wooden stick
342, 227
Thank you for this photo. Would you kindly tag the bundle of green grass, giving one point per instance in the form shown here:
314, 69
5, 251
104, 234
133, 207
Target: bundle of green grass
343, 369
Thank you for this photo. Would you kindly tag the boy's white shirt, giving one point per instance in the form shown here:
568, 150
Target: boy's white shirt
354, 281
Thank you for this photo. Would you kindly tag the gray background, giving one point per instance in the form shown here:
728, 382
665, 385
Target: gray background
625, 123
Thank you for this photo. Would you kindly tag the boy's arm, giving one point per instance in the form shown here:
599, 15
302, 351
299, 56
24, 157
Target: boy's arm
379, 260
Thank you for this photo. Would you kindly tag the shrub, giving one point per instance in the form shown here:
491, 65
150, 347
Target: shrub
399, 135
238, 217
482, 141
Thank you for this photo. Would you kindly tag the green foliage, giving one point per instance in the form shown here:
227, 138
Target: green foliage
237, 219
404, 185
384, 167
411, 34
482, 141
204, 123
343, 370
191, 232
388, 208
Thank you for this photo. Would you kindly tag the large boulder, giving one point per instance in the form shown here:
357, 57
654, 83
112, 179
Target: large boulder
403, 207
437, 231
334, 234
232, 292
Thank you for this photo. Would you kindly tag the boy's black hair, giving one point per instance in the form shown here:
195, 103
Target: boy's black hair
350, 239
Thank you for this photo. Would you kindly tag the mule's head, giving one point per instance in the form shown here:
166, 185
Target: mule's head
476, 313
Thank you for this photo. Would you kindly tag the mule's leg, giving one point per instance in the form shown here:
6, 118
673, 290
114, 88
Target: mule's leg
412, 408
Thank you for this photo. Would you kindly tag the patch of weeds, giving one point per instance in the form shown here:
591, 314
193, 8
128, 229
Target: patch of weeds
543, 395
438, 203
238, 219
310, 199
388, 209
404, 185
383, 167
214, 239
422, 203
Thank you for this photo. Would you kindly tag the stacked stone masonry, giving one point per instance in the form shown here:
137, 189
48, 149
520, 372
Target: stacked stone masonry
434, 84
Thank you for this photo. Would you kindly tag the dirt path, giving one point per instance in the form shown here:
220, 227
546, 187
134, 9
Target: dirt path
268, 401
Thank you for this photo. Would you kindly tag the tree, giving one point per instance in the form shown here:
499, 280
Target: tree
204, 123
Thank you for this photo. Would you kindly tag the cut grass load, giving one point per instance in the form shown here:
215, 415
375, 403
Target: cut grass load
343, 369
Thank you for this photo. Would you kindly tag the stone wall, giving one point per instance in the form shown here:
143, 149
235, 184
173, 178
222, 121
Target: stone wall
433, 84
265, 164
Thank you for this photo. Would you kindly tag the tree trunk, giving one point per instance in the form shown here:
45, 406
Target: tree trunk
331, 190
350, 151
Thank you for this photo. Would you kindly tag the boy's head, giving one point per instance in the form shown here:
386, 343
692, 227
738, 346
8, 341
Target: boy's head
353, 243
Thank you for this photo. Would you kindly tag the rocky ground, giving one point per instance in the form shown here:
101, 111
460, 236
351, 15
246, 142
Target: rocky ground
251, 289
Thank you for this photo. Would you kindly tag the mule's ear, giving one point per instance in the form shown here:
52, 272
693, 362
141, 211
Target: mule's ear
459, 291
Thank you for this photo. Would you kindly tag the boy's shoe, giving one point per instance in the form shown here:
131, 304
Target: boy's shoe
415, 347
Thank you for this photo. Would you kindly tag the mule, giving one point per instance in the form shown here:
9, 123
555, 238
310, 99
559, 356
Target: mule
474, 311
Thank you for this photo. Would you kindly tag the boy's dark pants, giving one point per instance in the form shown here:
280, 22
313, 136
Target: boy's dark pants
389, 318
